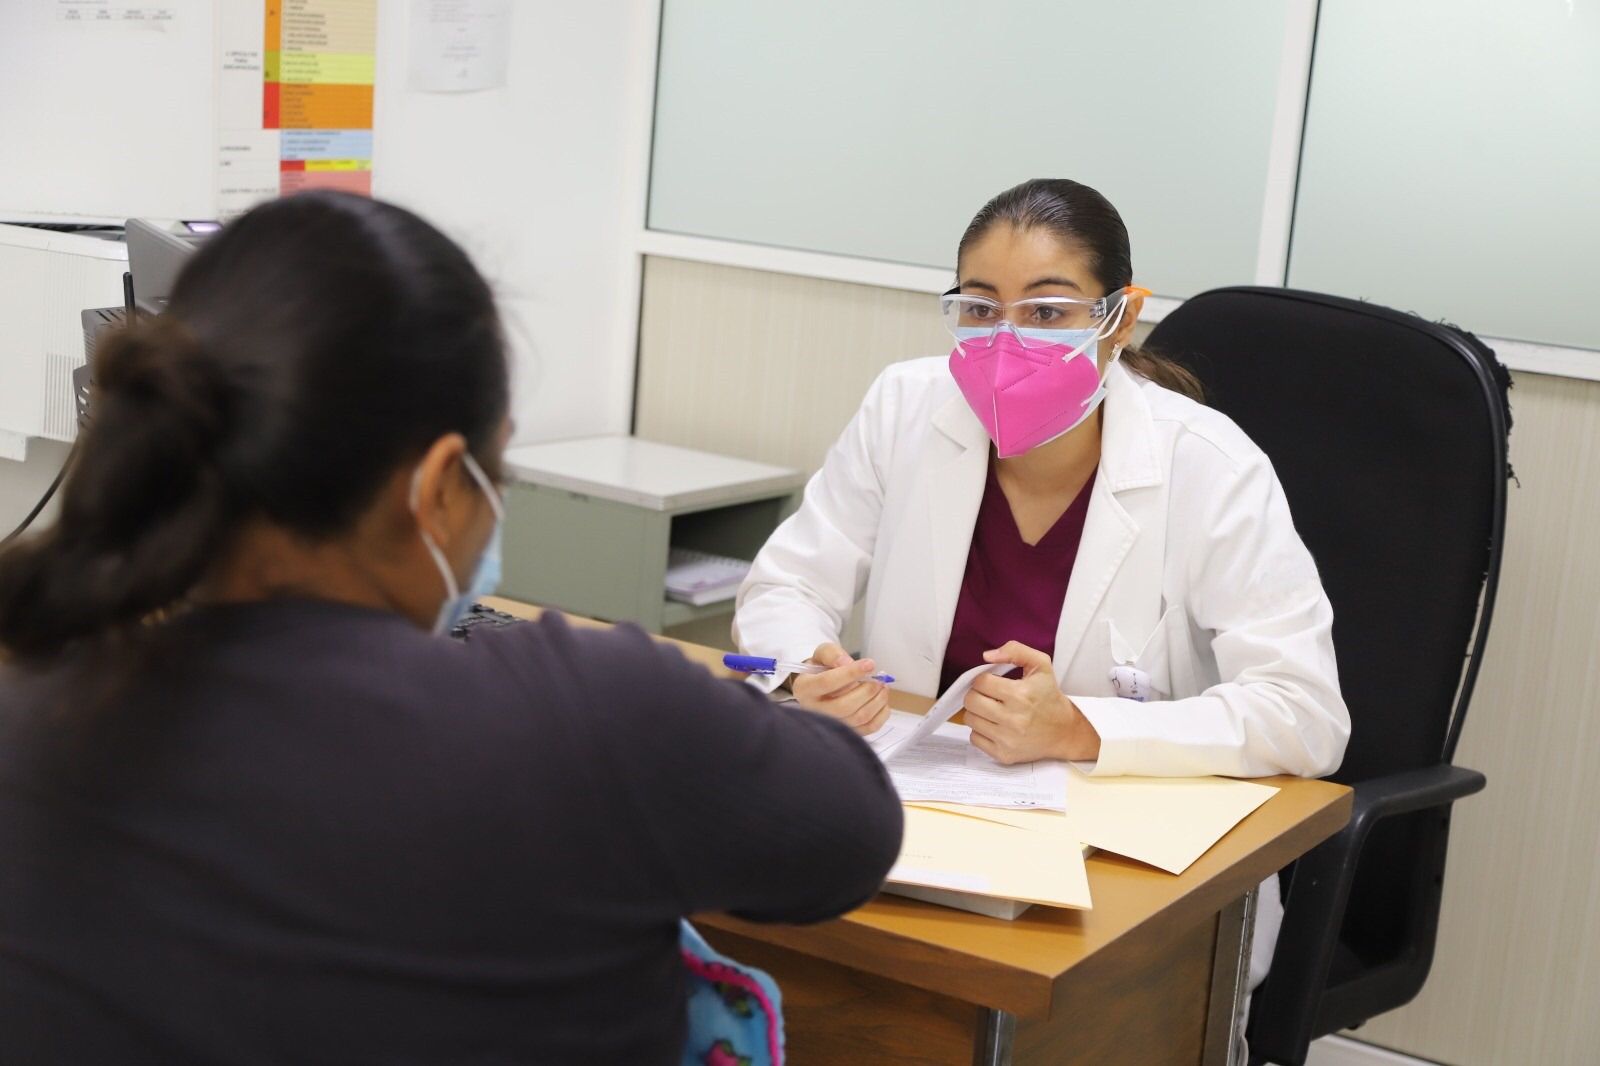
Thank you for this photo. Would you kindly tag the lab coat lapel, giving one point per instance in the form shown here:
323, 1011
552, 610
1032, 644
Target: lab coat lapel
1116, 517
953, 487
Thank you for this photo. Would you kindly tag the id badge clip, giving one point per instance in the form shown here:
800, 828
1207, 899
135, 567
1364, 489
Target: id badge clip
1131, 683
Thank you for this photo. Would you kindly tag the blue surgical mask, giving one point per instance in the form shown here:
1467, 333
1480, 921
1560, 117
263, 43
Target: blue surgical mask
485, 575
1079, 341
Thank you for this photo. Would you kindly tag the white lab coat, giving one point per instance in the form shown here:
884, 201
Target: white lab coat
1189, 569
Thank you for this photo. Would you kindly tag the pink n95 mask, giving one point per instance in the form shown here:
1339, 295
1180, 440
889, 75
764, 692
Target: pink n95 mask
1029, 394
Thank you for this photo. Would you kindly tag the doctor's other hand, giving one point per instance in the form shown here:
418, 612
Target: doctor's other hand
1020, 719
844, 691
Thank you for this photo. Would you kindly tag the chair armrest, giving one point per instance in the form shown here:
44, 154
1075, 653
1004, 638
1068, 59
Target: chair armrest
1403, 793
1331, 864
1318, 893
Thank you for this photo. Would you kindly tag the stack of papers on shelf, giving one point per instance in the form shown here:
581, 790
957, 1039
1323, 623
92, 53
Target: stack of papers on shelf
699, 578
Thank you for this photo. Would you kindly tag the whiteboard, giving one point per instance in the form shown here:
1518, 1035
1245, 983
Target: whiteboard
100, 122
106, 110
876, 130
1452, 163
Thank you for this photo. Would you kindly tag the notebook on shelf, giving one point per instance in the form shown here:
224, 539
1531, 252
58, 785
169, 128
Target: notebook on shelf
700, 578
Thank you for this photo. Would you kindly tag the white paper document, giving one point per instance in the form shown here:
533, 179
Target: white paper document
892, 735
940, 713
944, 767
931, 760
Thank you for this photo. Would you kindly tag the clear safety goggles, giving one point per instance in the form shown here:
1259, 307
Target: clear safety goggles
964, 311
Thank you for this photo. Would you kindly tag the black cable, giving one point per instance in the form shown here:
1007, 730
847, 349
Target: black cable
45, 499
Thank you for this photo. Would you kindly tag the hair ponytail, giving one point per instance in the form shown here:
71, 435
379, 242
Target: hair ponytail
1153, 366
144, 507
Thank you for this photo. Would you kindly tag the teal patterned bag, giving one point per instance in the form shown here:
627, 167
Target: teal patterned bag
735, 1011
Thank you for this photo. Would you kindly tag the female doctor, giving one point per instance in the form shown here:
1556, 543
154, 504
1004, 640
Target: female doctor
1050, 496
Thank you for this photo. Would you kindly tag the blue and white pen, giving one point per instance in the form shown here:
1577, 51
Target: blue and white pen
755, 664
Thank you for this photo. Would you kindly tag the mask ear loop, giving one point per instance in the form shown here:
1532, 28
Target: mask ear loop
1116, 354
451, 586
1116, 349
495, 503
452, 589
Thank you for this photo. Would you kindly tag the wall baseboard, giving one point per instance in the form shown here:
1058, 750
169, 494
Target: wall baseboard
1342, 1051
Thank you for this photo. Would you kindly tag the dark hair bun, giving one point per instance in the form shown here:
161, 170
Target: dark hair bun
158, 368
147, 507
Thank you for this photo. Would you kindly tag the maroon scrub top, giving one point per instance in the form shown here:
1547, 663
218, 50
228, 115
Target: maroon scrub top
1012, 590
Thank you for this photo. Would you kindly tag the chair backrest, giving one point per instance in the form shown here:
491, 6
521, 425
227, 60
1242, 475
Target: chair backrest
1389, 436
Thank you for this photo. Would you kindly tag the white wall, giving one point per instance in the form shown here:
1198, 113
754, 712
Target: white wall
22, 483
542, 181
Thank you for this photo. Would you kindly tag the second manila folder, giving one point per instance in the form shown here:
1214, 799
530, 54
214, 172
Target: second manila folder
947, 850
1166, 822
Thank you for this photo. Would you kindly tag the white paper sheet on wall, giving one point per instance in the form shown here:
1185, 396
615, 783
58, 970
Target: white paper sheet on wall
459, 45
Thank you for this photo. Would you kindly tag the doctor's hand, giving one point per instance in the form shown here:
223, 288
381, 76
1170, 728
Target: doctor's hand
845, 692
1020, 719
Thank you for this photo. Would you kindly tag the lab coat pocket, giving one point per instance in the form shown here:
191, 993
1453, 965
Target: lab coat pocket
1143, 672
1181, 667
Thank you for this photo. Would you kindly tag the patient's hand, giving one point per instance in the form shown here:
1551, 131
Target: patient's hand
845, 691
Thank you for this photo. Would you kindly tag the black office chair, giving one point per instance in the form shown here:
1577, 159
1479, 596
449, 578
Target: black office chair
1389, 434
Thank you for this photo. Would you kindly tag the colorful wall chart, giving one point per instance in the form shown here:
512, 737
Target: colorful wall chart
318, 66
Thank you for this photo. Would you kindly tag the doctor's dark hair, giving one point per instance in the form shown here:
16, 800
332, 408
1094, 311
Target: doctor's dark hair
1078, 215
308, 350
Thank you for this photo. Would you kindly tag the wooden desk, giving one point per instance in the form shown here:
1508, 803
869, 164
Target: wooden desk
1150, 976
